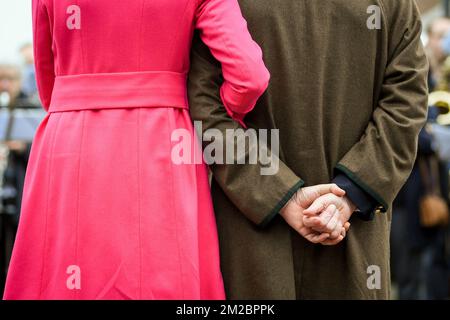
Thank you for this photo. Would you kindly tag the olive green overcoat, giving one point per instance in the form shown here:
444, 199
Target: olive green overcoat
348, 95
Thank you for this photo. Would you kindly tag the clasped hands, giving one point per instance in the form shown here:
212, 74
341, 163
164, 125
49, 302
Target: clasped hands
320, 213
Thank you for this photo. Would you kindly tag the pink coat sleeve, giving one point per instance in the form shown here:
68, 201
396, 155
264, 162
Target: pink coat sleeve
224, 30
43, 54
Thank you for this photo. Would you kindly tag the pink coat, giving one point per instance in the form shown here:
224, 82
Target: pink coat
106, 213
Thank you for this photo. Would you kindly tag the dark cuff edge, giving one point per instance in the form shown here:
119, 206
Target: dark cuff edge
363, 186
282, 203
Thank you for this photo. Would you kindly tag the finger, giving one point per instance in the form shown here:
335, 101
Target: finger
319, 223
332, 242
337, 231
327, 216
319, 205
310, 194
314, 237
323, 189
347, 226
343, 232
331, 226
309, 222
318, 238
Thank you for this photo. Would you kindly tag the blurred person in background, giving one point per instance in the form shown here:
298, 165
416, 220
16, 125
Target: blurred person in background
29, 86
419, 263
437, 30
418, 251
16, 158
10, 84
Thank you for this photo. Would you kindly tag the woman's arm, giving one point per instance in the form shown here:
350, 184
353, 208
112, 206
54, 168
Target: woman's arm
259, 197
224, 30
43, 54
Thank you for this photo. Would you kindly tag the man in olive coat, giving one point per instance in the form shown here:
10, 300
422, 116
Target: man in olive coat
348, 94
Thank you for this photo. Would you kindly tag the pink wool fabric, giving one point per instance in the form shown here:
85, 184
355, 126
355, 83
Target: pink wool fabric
106, 213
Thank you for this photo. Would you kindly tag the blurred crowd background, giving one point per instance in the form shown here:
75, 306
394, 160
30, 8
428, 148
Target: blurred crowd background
420, 241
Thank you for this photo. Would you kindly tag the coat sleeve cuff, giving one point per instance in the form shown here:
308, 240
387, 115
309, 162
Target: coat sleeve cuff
276, 210
381, 205
364, 202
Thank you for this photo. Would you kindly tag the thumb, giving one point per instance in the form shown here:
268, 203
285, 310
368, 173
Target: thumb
337, 190
323, 189
310, 194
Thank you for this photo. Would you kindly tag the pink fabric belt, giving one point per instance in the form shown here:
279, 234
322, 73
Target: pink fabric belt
119, 90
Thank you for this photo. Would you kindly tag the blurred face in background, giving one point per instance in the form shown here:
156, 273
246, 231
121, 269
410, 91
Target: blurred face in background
10, 81
27, 54
436, 33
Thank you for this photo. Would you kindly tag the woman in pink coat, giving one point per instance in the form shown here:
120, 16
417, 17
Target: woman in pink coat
106, 212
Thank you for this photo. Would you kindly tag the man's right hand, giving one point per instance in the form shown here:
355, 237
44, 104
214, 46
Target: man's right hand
293, 212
